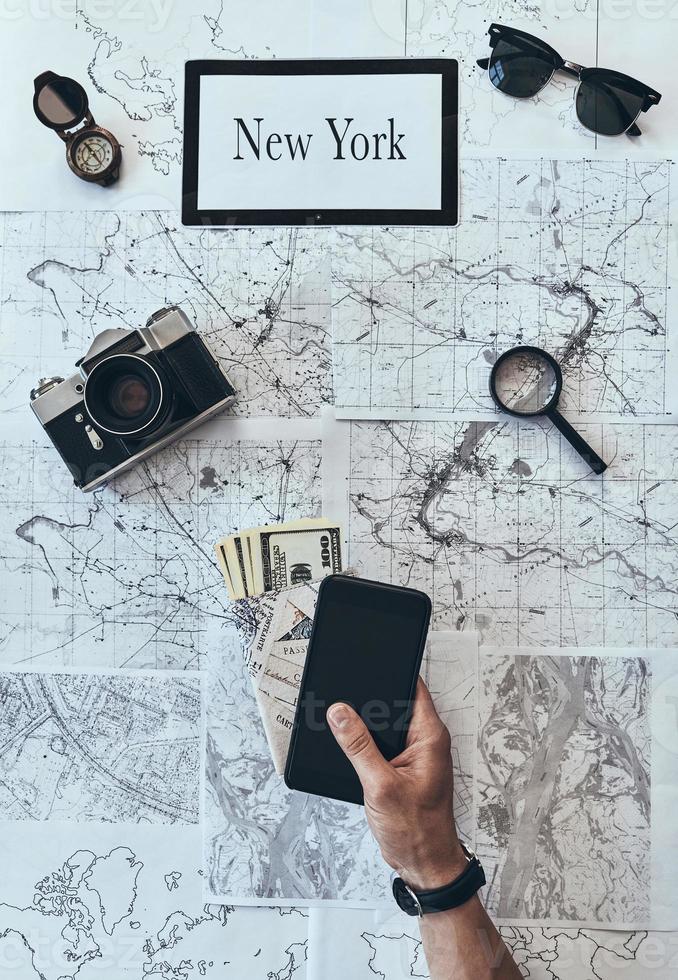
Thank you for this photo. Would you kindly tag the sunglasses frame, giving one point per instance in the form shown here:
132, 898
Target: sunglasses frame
582, 74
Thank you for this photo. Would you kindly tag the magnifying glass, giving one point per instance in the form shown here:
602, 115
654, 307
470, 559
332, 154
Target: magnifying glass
526, 382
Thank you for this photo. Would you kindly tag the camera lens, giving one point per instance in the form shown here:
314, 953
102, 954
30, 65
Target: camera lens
130, 396
124, 395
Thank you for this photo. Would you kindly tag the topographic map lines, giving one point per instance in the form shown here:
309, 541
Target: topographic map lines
571, 255
563, 787
264, 843
450, 671
127, 576
480, 516
120, 747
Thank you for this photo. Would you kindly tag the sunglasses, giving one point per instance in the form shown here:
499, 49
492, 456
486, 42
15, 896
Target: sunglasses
606, 102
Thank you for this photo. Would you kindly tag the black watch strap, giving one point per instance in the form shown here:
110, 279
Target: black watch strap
448, 896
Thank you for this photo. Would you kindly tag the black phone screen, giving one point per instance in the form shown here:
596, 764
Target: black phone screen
365, 649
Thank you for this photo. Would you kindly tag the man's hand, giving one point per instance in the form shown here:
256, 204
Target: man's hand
409, 806
408, 801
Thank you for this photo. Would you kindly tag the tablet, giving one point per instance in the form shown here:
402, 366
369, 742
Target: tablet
322, 142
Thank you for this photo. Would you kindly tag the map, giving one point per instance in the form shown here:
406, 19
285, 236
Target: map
500, 522
450, 672
127, 576
583, 31
563, 787
259, 298
568, 255
120, 747
124, 903
510, 533
138, 71
130, 57
263, 842
447, 28
363, 945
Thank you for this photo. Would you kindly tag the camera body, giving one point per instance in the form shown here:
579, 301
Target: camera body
136, 392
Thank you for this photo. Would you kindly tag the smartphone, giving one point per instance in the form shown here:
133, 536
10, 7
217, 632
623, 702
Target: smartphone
365, 649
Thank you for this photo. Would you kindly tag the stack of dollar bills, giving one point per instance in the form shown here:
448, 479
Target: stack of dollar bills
279, 556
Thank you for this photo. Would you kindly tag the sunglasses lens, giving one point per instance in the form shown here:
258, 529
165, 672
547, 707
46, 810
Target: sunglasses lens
520, 67
606, 106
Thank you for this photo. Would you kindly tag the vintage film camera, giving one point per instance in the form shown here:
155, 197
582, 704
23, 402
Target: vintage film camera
137, 391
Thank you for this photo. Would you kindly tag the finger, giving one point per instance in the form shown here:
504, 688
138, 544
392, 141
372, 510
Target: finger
355, 740
425, 720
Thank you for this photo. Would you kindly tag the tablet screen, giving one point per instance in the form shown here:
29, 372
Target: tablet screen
320, 142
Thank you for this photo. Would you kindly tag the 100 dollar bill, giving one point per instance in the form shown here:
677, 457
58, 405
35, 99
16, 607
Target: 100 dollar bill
231, 557
284, 557
275, 557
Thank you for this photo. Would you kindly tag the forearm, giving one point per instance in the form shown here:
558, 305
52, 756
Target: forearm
409, 804
463, 944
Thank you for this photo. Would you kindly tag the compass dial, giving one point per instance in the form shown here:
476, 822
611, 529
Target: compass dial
93, 154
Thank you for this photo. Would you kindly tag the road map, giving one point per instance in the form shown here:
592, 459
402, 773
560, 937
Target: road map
127, 576
125, 903
510, 533
260, 299
574, 256
116, 747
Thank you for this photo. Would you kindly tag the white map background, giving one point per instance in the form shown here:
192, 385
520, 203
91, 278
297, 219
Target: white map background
364, 945
130, 55
116, 748
125, 903
511, 534
135, 72
575, 256
140, 75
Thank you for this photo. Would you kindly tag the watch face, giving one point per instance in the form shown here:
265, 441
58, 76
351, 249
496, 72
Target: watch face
405, 897
93, 154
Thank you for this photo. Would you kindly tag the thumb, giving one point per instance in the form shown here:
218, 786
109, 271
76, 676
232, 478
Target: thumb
355, 740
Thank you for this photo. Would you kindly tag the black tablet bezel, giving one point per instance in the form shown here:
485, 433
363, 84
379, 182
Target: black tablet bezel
447, 215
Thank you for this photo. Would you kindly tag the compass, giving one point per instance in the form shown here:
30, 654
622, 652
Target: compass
92, 153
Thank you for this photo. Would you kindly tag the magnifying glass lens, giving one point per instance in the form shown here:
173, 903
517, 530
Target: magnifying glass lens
525, 383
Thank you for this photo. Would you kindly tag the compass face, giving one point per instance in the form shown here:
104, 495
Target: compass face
93, 154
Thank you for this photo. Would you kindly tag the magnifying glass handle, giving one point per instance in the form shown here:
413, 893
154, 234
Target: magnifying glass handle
575, 440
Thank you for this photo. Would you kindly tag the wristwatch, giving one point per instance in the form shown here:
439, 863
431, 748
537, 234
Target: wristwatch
441, 899
92, 153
